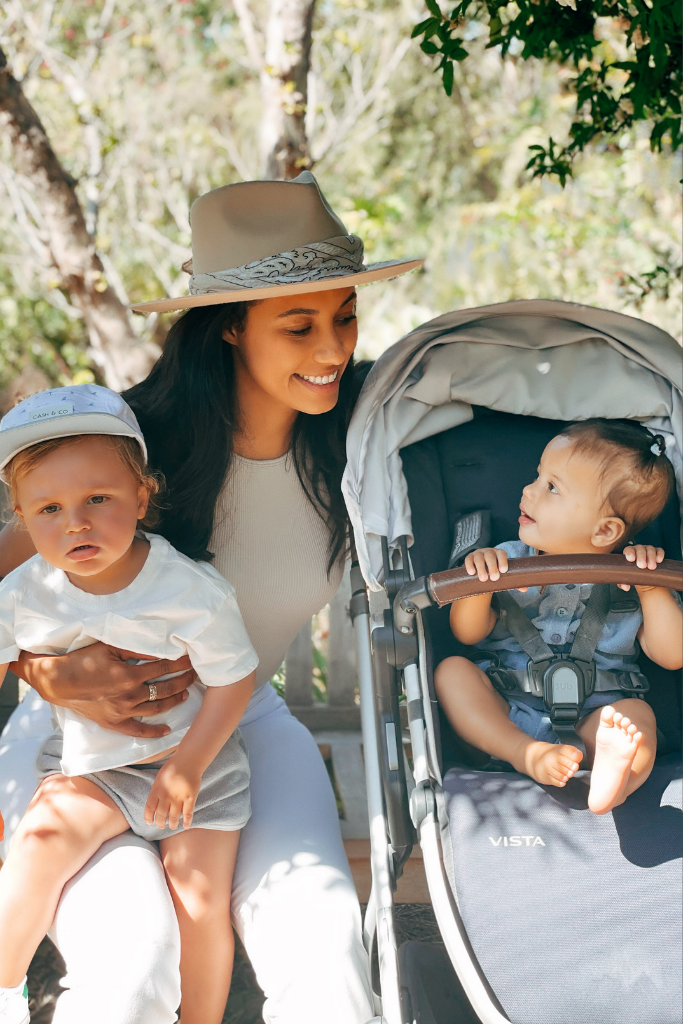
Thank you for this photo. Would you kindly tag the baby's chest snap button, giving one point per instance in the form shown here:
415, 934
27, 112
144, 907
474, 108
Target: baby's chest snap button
561, 612
555, 638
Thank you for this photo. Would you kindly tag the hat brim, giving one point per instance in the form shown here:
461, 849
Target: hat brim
16, 439
393, 269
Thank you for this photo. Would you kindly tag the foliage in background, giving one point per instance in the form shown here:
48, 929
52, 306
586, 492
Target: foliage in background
625, 59
170, 107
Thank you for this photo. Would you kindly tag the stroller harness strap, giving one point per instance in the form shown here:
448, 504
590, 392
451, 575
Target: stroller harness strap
585, 639
564, 681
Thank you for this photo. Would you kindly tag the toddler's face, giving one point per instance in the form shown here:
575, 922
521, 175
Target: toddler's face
562, 511
81, 506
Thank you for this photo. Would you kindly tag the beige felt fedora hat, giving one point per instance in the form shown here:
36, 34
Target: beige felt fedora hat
258, 239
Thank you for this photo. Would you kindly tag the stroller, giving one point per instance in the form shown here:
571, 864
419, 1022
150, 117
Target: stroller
548, 913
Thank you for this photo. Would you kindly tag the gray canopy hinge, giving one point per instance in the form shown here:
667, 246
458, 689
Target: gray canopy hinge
422, 802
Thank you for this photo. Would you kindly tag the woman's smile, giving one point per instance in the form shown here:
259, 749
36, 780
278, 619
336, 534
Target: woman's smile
326, 382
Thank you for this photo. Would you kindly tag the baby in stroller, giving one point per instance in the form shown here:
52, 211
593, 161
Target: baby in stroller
600, 482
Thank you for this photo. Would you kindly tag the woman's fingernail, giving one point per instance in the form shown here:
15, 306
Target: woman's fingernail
185, 695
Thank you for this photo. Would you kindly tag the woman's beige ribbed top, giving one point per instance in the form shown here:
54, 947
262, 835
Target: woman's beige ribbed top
270, 543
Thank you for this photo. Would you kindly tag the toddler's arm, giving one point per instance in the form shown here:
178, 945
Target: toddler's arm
3, 672
472, 618
175, 788
661, 634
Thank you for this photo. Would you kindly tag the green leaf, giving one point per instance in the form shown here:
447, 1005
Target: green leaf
434, 8
429, 26
430, 48
448, 77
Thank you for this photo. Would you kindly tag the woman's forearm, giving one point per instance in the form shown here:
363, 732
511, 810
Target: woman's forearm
47, 678
217, 719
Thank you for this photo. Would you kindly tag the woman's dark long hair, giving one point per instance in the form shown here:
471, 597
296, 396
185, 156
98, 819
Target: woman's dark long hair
187, 411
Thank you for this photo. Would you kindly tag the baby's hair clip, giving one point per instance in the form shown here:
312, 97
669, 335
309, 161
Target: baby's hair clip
659, 445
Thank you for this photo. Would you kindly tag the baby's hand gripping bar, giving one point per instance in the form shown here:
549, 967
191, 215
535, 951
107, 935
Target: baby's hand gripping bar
441, 588
544, 570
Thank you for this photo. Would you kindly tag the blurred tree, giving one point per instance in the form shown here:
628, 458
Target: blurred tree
166, 104
68, 244
625, 57
282, 61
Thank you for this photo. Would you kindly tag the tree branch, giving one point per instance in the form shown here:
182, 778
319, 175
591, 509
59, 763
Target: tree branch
72, 250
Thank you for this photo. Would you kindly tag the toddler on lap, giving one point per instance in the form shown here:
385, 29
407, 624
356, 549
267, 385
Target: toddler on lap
75, 462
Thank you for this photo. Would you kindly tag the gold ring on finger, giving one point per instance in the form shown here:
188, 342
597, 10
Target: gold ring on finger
152, 691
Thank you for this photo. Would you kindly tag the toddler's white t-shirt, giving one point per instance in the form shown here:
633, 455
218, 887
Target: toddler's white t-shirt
174, 606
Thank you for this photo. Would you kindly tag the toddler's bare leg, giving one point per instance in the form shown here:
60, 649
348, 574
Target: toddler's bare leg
479, 714
199, 866
621, 743
65, 824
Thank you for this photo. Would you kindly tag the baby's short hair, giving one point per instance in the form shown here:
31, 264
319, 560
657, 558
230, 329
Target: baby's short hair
636, 472
127, 449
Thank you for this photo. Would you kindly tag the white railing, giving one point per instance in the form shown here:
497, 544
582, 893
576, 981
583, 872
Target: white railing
340, 710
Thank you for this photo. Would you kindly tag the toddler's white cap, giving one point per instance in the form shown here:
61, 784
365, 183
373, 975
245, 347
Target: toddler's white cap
65, 412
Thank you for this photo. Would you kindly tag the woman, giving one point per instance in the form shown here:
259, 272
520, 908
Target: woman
245, 413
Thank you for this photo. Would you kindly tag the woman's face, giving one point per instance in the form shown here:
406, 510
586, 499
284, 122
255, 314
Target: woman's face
294, 350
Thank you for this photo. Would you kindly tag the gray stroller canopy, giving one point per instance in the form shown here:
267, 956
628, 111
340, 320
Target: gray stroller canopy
555, 360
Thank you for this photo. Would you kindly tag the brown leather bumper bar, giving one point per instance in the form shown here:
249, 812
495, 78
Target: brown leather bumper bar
453, 584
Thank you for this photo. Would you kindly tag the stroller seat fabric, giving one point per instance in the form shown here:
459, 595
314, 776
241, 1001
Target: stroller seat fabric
573, 918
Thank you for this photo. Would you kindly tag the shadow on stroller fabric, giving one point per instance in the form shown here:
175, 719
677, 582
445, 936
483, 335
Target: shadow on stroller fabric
549, 914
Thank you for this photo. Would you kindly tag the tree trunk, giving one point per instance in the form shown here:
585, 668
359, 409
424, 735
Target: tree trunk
124, 358
284, 88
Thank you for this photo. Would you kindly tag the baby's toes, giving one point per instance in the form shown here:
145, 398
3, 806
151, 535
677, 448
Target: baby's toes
569, 756
607, 715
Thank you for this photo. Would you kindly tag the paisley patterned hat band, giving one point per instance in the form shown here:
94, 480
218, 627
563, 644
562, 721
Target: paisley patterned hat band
260, 239
335, 257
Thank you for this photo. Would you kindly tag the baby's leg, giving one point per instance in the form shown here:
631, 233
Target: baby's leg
65, 824
199, 866
479, 714
621, 743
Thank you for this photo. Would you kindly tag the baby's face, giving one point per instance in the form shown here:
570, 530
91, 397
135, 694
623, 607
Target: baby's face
80, 505
562, 511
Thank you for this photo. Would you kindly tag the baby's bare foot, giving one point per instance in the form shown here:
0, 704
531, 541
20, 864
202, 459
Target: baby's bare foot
616, 745
551, 764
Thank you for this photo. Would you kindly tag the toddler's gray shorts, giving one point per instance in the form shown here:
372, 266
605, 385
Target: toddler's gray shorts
222, 803
530, 714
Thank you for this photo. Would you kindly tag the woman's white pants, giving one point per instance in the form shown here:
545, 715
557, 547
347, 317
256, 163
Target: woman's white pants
294, 903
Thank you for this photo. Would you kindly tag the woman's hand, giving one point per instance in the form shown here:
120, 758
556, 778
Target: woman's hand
97, 682
173, 795
646, 557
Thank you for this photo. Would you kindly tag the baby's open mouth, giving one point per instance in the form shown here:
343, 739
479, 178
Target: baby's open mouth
525, 517
83, 551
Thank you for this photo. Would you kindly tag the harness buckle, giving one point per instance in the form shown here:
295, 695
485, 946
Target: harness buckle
563, 682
